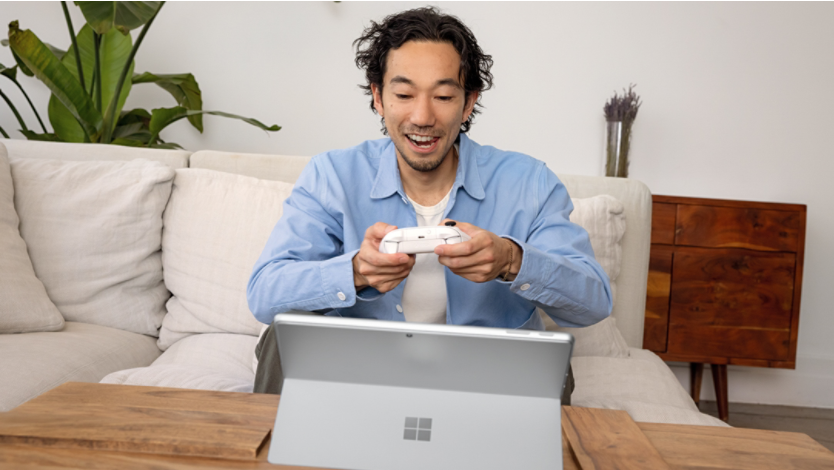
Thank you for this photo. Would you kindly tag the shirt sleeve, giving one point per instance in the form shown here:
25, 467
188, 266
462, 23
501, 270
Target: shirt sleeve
304, 266
559, 273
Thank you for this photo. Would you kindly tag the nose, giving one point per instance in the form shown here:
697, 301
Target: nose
423, 114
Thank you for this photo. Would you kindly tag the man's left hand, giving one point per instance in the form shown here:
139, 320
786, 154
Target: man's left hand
481, 259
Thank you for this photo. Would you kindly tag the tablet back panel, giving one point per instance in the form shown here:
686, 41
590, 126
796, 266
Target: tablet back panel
367, 394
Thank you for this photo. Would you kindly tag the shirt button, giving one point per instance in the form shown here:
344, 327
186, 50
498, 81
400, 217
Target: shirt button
524, 286
341, 296
400, 308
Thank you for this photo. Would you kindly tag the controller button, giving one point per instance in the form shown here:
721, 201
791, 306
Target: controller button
341, 296
451, 223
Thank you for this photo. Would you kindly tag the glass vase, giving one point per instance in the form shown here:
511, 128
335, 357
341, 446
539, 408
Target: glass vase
616, 149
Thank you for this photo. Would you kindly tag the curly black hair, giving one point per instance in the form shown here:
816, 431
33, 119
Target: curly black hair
423, 24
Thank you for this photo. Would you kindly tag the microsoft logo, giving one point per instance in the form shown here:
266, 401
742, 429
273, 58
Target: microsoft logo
417, 429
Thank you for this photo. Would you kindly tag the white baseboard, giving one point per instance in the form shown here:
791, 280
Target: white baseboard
811, 384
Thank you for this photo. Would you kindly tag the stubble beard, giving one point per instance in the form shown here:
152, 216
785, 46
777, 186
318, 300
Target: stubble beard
423, 166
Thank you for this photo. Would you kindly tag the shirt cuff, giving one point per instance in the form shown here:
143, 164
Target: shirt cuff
529, 283
337, 281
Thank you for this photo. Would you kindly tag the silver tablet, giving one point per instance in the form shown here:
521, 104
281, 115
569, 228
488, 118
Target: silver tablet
372, 394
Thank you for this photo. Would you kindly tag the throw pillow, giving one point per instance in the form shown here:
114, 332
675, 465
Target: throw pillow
216, 226
603, 217
24, 305
94, 232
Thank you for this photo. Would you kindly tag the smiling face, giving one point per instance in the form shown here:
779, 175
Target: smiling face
423, 102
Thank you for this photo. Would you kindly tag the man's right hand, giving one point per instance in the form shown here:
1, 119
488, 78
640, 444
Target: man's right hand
382, 271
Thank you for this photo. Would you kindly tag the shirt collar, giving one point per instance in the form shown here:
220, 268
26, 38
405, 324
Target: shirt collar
388, 180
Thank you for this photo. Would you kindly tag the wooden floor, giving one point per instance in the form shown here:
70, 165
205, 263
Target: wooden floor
815, 422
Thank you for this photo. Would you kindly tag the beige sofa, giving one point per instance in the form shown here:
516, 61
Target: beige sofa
181, 319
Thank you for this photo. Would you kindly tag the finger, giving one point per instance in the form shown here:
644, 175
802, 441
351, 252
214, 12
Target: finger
378, 231
463, 262
366, 270
393, 283
375, 258
467, 228
466, 248
388, 284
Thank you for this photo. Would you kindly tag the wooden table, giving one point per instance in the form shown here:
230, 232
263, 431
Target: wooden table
592, 439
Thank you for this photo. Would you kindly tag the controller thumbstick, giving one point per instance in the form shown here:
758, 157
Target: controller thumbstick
451, 223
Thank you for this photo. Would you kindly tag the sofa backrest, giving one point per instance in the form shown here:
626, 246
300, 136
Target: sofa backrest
266, 167
92, 152
630, 304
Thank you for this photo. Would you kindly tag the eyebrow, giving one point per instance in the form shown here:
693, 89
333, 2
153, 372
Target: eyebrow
445, 81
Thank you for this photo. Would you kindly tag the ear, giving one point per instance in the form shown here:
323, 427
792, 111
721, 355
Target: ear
471, 99
377, 92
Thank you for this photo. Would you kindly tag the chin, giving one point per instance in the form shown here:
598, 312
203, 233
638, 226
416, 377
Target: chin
422, 163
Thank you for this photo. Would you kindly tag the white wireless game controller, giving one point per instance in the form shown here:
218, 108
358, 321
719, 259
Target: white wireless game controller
420, 239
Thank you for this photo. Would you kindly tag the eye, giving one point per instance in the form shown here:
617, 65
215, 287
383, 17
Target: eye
402, 96
444, 98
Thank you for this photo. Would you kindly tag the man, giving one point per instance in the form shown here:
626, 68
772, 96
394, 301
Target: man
425, 73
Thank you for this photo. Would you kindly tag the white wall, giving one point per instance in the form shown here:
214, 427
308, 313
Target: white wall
738, 103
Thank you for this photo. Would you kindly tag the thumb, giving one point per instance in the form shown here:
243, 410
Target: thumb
466, 228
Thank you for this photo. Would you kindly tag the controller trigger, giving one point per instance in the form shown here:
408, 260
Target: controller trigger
450, 223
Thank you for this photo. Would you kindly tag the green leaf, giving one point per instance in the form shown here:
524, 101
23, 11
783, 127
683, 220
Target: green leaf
58, 53
167, 145
124, 16
55, 75
19, 62
135, 115
43, 137
162, 117
9, 72
183, 87
115, 48
128, 130
127, 142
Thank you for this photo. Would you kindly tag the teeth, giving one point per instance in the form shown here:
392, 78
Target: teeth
420, 138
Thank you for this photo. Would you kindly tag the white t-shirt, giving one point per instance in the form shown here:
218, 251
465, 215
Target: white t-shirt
424, 296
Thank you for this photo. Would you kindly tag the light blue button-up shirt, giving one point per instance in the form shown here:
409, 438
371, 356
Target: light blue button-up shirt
307, 262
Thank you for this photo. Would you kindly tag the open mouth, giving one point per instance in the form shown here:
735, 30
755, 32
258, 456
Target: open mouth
422, 142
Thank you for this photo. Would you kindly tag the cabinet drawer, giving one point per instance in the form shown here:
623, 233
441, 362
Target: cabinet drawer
656, 327
732, 287
729, 342
663, 223
756, 229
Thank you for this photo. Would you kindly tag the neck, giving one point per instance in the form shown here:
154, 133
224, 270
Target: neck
428, 188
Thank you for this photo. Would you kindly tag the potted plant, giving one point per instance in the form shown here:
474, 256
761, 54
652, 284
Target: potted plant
91, 81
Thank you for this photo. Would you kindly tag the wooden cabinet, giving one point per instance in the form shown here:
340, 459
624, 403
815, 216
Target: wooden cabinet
725, 280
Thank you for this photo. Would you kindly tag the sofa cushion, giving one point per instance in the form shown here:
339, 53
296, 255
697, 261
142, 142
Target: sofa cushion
603, 218
33, 363
24, 305
642, 384
630, 307
205, 362
216, 226
94, 233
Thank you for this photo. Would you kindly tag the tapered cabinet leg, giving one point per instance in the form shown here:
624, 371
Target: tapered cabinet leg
696, 373
719, 376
